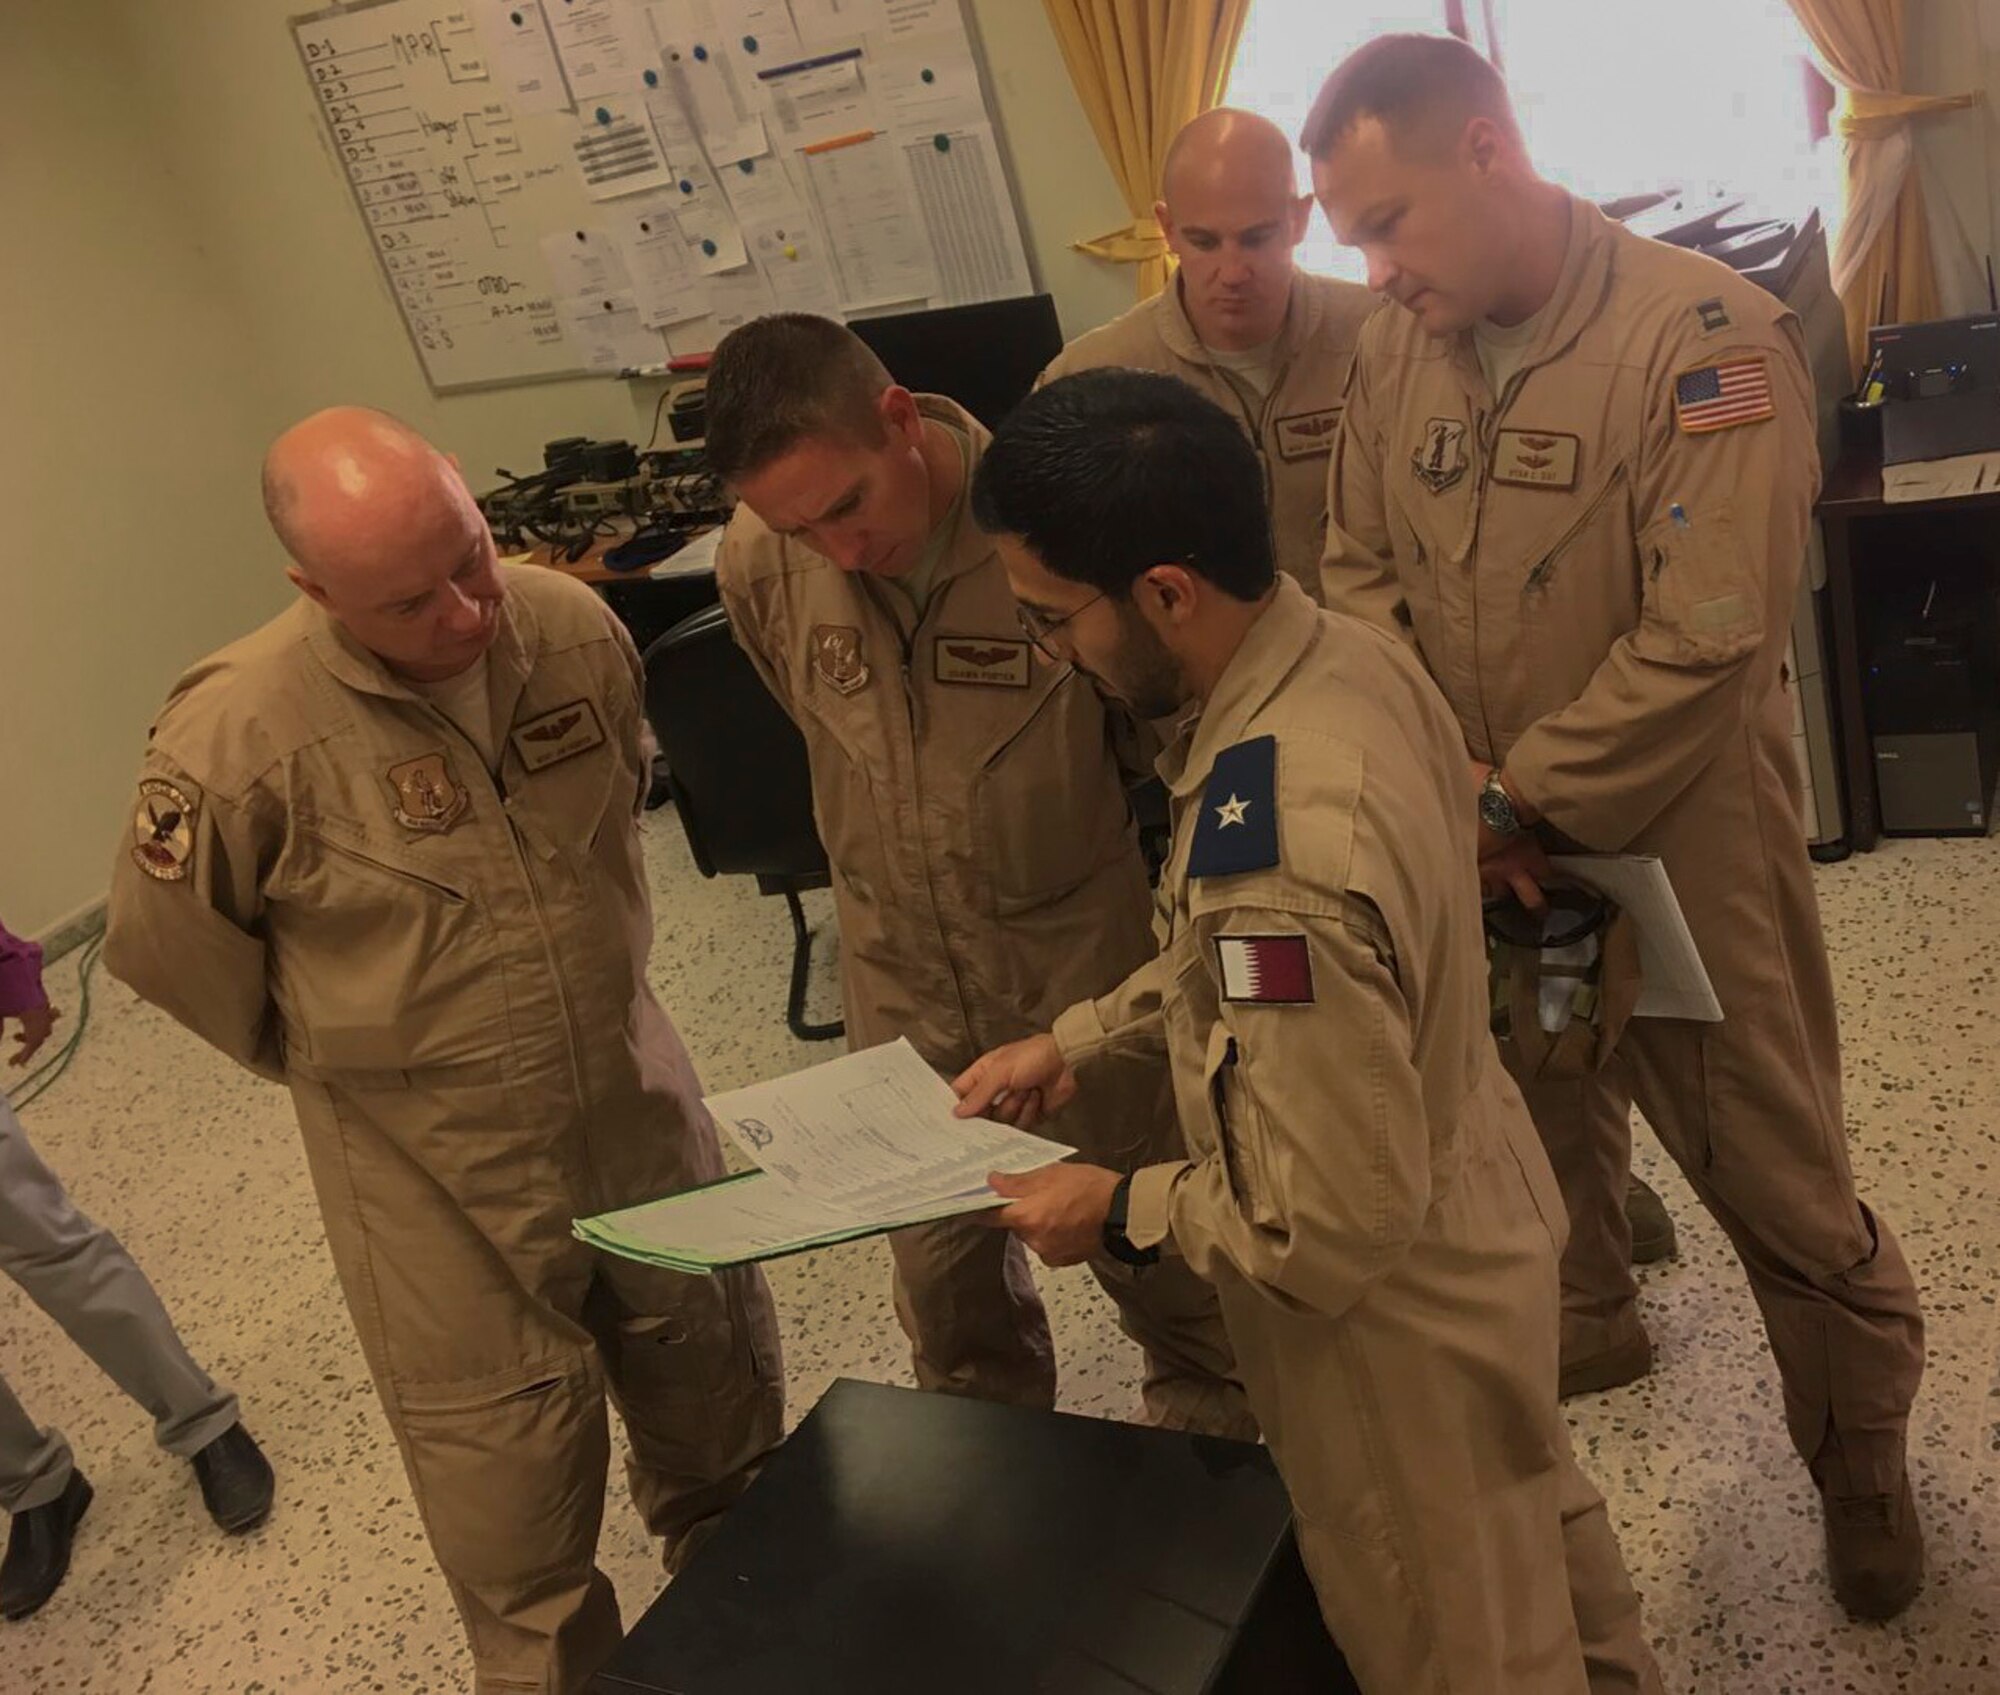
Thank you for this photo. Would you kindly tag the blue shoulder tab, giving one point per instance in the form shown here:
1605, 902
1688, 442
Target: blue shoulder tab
1237, 826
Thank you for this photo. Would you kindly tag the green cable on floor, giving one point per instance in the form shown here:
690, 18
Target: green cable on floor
45, 1074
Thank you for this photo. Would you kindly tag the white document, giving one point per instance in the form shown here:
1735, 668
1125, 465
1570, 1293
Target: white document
520, 55
881, 250
761, 30
788, 252
727, 124
873, 1132
927, 83
735, 297
829, 20
666, 286
672, 126
694, 558
968, 215
617, 151
603, 45
919, 17
1674, 982
820, 99
585, 263
714, 239
759, 188
1941, 479
608, 334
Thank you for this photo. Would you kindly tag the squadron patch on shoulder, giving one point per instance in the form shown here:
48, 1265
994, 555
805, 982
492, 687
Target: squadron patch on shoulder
1237, 828
163, 831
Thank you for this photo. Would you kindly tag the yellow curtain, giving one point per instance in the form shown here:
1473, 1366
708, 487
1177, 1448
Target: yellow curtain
1143, 68
1882, 266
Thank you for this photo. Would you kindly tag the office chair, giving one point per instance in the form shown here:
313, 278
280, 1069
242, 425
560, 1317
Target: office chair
736, 769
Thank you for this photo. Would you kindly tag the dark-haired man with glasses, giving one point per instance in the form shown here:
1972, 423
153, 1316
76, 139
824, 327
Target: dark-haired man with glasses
986, 869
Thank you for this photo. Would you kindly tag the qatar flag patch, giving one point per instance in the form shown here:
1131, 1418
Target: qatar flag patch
1266, 970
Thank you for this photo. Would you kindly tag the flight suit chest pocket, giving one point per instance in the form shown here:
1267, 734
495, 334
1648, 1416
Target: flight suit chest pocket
1048, 807
1702, 593
1577, 594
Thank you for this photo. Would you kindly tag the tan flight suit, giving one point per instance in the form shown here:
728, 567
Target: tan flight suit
1602, 586
1292, 428
1362, 1183
986, 873
448, 968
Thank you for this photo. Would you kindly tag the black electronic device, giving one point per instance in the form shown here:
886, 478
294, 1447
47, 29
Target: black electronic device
1945, 356
984, 356
1932, 697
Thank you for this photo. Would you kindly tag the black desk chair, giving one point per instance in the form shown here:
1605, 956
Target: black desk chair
736, 769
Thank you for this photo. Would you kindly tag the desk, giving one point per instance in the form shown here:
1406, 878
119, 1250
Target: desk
647, 606
910, 1544
1863, 534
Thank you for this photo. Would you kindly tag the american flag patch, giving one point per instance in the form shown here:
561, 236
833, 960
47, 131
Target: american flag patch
1713, 397
1275, 970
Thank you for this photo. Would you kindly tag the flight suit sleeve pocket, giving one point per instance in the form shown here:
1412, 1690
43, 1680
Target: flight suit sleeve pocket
1702, 592
1238, 1128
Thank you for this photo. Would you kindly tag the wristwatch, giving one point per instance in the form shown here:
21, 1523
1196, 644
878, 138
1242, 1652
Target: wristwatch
1116, 1243
1496, 807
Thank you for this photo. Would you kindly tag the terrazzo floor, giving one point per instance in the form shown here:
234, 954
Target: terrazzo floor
196, 1166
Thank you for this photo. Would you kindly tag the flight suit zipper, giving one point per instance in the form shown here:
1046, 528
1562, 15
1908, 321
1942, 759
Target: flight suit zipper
572, 1036
913, 747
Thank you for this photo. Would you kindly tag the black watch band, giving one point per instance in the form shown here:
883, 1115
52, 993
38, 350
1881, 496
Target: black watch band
1116, 1243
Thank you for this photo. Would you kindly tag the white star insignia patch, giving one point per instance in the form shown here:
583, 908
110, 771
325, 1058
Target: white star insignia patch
1231, 812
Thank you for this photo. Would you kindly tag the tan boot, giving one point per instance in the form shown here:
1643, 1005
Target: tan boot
1652, 1229
1874, 1551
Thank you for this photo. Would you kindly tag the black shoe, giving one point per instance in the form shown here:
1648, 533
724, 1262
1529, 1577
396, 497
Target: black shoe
38, 1548
235, 1479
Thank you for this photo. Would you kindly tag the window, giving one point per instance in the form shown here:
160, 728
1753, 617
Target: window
1616, 96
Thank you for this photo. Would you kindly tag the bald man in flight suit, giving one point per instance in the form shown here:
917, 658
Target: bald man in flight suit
385, 850
1577, 470
1239, 321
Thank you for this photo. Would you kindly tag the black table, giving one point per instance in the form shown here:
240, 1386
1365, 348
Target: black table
912, 1544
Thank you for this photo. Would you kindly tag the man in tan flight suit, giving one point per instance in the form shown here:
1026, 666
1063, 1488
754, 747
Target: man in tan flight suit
1577, 470
1359, 1179
1267, 342
385, 851
985, 864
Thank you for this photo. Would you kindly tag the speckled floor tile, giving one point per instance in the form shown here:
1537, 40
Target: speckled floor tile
197, 1167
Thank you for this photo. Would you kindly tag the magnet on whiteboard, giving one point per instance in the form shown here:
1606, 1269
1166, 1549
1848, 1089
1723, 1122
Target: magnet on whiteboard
686, 186
928, 74
708, 247
604, 114
749, 44
791, 252
652, 79
700, 54
942, 143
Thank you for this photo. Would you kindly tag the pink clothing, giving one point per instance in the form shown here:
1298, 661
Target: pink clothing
20, 975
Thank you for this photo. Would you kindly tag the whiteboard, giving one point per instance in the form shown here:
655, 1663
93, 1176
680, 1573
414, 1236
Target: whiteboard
559, 188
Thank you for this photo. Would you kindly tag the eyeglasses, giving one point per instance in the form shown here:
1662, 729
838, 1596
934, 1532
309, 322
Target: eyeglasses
1038, 629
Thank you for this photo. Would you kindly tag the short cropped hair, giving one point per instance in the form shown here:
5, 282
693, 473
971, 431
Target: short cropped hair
1107, 473
779, 380
1423, 88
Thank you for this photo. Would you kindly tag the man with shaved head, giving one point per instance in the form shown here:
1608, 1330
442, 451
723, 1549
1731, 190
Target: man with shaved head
1240, 321
385, 851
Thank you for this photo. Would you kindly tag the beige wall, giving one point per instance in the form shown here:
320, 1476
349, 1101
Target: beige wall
197, 278
129, 409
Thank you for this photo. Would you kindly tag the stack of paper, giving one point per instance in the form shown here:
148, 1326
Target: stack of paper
856, 1146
